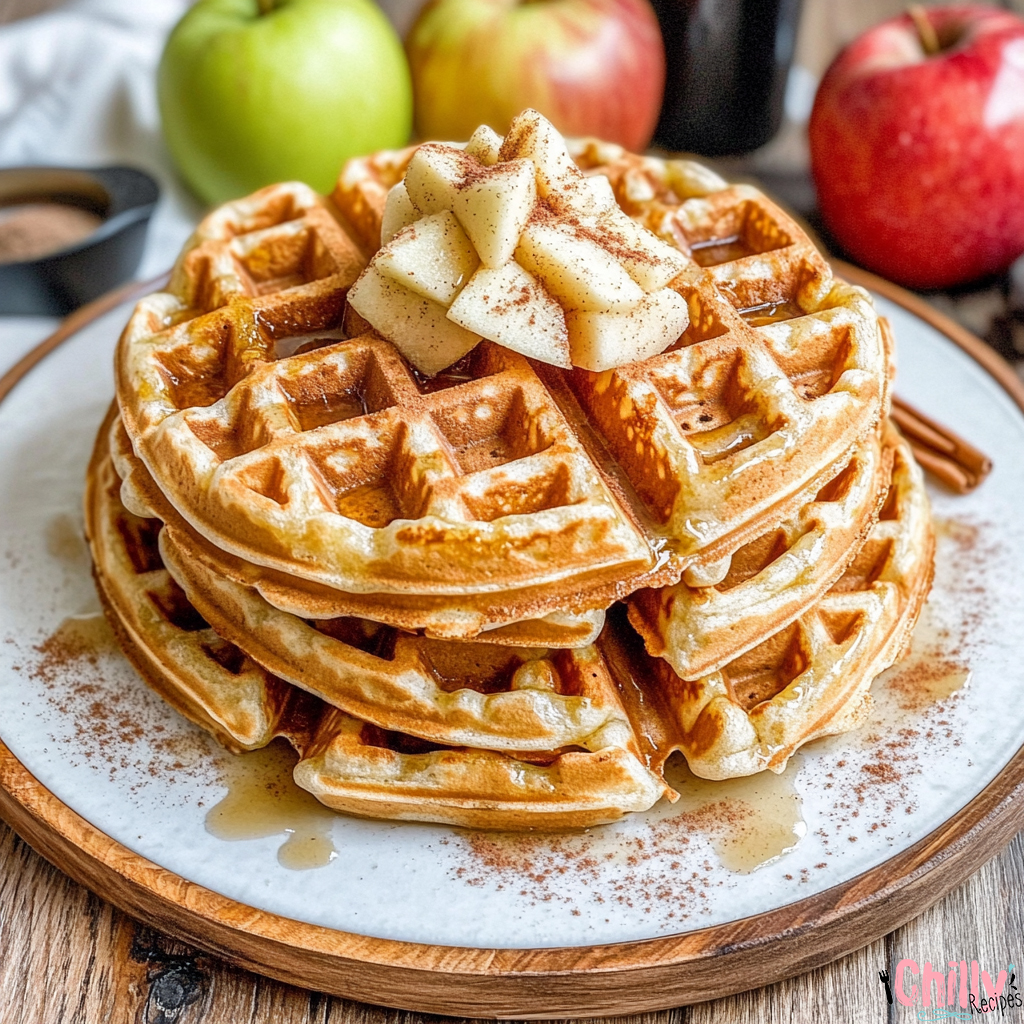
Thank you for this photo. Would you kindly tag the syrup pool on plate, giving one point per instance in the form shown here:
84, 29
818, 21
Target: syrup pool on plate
263, 800
750, 821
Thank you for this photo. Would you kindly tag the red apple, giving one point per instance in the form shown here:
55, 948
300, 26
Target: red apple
918, 156
593, 67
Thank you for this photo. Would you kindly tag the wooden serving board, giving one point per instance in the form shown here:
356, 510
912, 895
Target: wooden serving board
616, 978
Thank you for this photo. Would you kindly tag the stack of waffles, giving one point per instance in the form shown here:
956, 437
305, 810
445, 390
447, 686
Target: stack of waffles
502, 590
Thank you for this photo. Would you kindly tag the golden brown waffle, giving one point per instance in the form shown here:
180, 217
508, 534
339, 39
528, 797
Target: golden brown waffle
521, 491
758, 283
771, 581
475, 694
810, 679
495, 619
471, 694
359, 769
738, 720
362, 189
339, 468
350, 765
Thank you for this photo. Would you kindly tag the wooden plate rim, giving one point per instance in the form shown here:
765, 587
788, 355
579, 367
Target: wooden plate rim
616, 978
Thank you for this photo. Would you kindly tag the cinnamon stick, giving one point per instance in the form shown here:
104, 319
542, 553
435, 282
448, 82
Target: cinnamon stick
957, 464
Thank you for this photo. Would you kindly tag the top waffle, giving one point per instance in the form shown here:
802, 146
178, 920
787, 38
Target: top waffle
332, 461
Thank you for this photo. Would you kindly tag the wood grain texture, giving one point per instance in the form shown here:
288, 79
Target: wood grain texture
70, 958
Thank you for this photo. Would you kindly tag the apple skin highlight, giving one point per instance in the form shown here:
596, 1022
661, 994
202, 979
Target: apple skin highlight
919, 159
593, 67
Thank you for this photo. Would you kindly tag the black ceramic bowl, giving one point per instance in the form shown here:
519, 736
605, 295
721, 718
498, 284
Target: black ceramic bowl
122, 197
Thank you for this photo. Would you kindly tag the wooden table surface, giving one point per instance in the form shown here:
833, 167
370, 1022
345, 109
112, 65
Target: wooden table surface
68, 957
71, 958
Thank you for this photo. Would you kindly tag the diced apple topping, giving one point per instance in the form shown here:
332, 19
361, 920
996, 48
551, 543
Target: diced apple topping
435, 174
432, 257
508, 240
575, 269
600, 341
508, 306
648, 260
533, 136
485, 145
418, 327
398, 213
603, 194
494, 210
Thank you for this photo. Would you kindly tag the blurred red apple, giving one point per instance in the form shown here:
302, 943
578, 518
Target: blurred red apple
593, 67
917, 145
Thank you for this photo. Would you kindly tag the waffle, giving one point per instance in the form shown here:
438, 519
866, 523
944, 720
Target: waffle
363, 771
771, 581
472, 694
494, 619
739, 720
810, 679
362, 190
755, 268
350, 765
391, 694
459, 505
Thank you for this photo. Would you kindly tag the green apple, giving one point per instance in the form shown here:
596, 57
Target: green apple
257, 91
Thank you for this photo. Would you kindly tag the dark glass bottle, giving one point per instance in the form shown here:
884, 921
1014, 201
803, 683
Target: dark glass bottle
727, 63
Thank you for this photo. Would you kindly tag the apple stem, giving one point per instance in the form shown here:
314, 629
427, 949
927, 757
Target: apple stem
266, 6
925, 30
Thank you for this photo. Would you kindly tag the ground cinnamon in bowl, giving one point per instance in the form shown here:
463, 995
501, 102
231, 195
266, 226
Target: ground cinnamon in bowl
29, 231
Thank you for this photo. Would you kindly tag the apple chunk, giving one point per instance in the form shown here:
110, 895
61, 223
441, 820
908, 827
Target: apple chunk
416, 326
651, 262
434, 175
602, 191
575, 269
600, 341
533, 136
432, 257
559, 180
495, 207
485, 145
586, 201
398, 212
510, 307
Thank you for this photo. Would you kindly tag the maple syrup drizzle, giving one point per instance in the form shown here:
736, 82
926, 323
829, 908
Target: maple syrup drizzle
296, 343
932, 672
87, 633
750, 821
263, 800
720, 250
65, 539
770, 313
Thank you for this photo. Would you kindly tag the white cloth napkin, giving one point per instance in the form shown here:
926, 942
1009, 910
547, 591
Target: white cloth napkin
77, 87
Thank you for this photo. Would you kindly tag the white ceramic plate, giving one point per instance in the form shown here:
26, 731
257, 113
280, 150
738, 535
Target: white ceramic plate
90, 731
